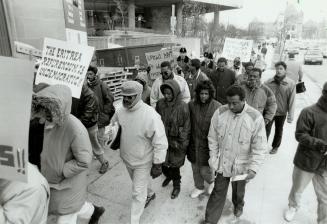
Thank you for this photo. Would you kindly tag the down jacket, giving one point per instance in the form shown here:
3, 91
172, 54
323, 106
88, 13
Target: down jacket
176, 118
67, 152
311, 133
105, 101
86, 108
201, 114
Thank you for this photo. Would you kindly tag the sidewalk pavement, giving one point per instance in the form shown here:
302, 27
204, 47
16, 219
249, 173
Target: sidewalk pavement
266, 196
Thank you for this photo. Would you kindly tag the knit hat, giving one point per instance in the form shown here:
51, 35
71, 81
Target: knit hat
132, 88
183, 50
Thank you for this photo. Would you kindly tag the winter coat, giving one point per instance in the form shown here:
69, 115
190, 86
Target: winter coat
156, 93
184, 64
176, 118
311, 133
86, 108
105, 101
200, 114
25, 203
35, 142
195, 80
221, 81
143, 139
263, 99
285, 96
67, 152
237, 142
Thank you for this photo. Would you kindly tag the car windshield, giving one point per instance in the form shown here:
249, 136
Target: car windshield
314, 52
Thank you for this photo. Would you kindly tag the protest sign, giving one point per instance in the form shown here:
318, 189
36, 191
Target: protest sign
155, 59
15, 98
64, 63
237, 48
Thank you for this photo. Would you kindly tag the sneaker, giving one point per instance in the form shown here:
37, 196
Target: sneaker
290, 213
104, 167
196, 193
98, 212
149, 198
273, 151
210, 188
238, 212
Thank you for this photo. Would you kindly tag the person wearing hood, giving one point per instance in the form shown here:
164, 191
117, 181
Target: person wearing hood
66, 156
86, 109
222, 78
196, 76
25, 203
202, 109
310, 161
143, 145
284, 89
105, 101
176, 118
260, 96
167, 74
146, 89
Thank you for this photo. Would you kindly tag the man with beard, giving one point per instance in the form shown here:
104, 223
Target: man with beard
243, 78
143, 145
167, 74
196, 76
222, 78
201, 110
238, 144
237, 68
310, 161
284, 89
176, 118
260, 96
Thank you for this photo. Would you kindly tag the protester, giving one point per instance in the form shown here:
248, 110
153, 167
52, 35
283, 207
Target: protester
260, 63
310, 161
196, 76
208, 64
25, 203
201, 110
237, 67
264, 50
243, 78
143, 145
105, 101
294, 69
237, 143
284, 90
146, 89
176, 118
167, 74
259, 96
66, 156
183, 60
222, 78
86, 109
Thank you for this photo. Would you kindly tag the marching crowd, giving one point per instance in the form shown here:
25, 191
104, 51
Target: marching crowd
218, 117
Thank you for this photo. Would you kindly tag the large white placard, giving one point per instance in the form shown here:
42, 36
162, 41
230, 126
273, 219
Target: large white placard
237, 48
155, 59
15, 99
64, 63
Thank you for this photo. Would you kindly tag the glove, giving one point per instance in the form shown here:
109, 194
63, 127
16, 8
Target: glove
156, 170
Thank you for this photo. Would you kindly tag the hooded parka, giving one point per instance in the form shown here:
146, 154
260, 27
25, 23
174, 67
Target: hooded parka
67, 152
176, 118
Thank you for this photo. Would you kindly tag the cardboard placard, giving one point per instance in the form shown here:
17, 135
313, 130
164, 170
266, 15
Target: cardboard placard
15, 97
64, 63
155, 59
237, 48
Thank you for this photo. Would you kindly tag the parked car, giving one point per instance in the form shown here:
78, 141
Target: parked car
313, 57
292, 50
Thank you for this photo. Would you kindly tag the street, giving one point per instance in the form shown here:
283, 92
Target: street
266, 196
